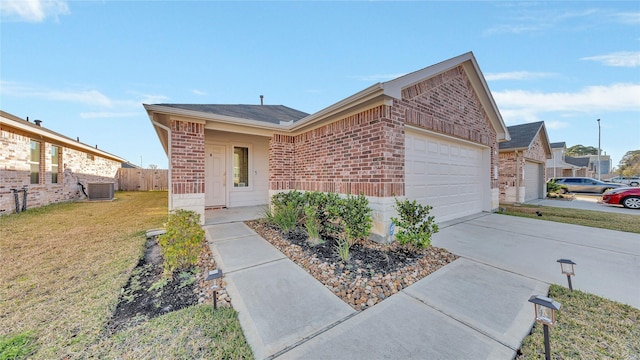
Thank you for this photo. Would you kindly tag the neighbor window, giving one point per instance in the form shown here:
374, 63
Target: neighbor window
34, 162
240, 166
55, 161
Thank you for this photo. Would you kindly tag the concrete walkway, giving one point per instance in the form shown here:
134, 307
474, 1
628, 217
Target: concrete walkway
287, 314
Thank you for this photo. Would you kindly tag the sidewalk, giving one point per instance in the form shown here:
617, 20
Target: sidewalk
466, 310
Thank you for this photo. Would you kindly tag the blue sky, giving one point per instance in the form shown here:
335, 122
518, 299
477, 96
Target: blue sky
86, 67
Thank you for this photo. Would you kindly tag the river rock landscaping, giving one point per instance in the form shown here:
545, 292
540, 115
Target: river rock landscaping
373, 272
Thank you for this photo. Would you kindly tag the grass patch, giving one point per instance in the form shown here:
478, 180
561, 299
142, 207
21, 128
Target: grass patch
196, 332
588, 327
17, 347
64, 267
598, 219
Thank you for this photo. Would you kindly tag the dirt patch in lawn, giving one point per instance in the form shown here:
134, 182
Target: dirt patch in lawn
148, 294
373, 272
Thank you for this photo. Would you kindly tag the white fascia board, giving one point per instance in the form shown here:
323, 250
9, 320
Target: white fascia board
48, 134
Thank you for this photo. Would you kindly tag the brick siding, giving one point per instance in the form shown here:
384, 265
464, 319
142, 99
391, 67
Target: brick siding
364, 153
509, 164
73, 167
188, 157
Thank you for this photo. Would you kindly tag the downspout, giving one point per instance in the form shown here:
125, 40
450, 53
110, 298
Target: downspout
517, 177
169, 155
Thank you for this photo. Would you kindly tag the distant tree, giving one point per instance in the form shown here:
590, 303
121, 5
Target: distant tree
153, 166
630, 163
580, 150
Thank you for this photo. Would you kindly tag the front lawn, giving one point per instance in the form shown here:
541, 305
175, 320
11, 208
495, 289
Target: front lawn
598, 219
588, 327
63, 269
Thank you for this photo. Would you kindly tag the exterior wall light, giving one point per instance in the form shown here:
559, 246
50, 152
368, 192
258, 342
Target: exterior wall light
566, 266
545, 312
214, 275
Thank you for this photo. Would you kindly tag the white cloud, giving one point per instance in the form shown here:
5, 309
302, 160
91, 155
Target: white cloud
87, 97
520, 106
377, 77
632, 18
621, 59
32, 10
516, 75
198, 92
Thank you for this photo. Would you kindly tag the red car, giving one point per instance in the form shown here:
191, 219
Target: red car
628, 197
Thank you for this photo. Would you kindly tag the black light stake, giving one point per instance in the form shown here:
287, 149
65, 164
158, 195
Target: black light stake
566, 266
214, 275
545, 310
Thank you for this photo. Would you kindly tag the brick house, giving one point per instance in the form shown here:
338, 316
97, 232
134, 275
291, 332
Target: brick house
431, 135
48, 165
522, 163
562, 165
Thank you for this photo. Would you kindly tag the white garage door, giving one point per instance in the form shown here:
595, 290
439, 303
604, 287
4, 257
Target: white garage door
532, 181
446, 174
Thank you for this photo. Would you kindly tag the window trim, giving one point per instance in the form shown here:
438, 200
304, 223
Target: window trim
250, 173
38, 163
57, 165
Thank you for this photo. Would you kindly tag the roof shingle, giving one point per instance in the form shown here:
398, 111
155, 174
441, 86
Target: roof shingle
521, 135
273, 114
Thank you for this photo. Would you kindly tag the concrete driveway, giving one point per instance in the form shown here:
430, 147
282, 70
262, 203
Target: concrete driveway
608, 262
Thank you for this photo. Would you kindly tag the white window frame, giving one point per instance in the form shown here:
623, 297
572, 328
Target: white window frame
250, 171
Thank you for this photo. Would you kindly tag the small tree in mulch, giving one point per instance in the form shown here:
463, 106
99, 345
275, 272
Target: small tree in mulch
182, 243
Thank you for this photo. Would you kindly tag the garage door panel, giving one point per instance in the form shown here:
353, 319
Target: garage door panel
448, 176
532, 180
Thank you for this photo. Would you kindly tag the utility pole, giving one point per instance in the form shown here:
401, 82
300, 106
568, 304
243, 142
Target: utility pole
599, 171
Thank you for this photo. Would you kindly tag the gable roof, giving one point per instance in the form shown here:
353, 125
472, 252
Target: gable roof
558, 145
581, 161
264, 120
40, 132
274, 114
523, 135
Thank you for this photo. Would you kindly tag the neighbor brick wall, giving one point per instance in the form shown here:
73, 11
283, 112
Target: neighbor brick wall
74, 167
509, 164
187, 157
447, 104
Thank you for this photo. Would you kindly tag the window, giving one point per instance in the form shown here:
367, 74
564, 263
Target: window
34, 161
240, 166
55, 162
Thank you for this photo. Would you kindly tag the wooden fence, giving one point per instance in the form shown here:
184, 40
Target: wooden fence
142, 179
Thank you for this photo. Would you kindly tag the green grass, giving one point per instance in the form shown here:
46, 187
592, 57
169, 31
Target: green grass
16, 347
588, 327
598, 219
63, 268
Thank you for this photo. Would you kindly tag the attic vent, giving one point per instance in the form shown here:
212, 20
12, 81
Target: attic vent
100, 191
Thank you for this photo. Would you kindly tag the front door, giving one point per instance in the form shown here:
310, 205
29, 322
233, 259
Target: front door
215, 173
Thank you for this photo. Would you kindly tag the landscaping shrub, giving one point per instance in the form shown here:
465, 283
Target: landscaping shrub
356, 215
553, 187
183, 241
415, 226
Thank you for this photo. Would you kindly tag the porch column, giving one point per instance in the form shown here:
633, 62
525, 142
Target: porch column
187, 166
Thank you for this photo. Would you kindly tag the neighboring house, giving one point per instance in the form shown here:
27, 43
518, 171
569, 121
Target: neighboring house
562, 165
431, 135
47, 165
522, 163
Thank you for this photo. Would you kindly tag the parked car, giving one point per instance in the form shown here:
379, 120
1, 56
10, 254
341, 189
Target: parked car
627, 197
629, 180
584, 184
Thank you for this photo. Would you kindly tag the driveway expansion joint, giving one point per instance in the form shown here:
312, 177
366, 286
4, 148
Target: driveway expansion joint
255, 265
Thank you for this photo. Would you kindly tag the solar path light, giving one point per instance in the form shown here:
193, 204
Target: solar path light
545, 310
214, 275
566, 266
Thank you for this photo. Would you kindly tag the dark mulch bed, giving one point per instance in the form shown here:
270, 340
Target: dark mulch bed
144, 298
373, 272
